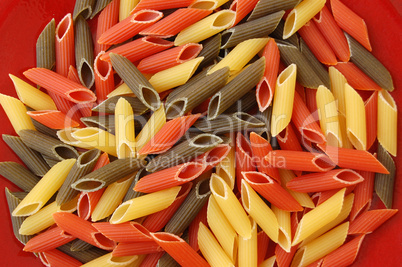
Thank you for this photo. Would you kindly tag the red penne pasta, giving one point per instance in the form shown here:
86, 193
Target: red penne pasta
102, 161
317, 43
169, 58
287, 139
87, 202
127, 232
140, 48
64, 45
244, 158
55, 257
299, 160
271, 191
106, 19
351, 23
179, 250
170, 177
283, 258
334, 179
161, 4
311, 102
317, 263
48, 240
266, 87
130, 27
242, 8
325, 195
370, 220
104, 78
212, 157
60, 85
195, 225
83, 230
261, 147
176, 22
262, 246
305, 122
355, 77
73, 74
156, 221
371, 119
168, 135
137, 248
363, 194
346, 158
53, 119
152, 259
345, 255
333, 34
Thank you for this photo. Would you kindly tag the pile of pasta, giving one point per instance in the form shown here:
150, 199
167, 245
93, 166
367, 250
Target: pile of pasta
199, 132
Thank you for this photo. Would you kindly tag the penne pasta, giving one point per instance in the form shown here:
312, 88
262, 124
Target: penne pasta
54, 257
248, 247
64, 45
284, 228
355, 118
16, 113
160, 5
370, 220
83, 8
53, 119
84, 55
109, 104
45, 47
47, 240
338, 82
106, 19
241, 8
125, 130
387, 122
356, 77
384, 183
266, 7
96, 138
344, 255
18, 175
104, 79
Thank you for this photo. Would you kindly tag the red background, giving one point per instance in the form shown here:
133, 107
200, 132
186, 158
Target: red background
22, 21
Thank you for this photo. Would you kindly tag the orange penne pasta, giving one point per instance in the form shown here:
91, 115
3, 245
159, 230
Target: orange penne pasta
104, 78
334, 179
130, 27
85, 109
127, 232
305, 123
136, 248
261, 147
168, 135
287, 139
140, 48
346, 158
244, 160
284, 258
242, 8
106, 19
317, 43
169, 58
55, 257
73, 74
213, 157
262, 246
271, 191
370, 220
324, 195
266, 87
152, 259
311, 102
345, 255
47, 240
53, 119
87, 202
326, 23
299, 160
355, 77
363, 194
60, 85
160, 4
195, 225
64, 45
351, 23
371, 119
176, 22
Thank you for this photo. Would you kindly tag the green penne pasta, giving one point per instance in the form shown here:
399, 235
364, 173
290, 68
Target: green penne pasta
80, 245
278, 34
84, 54
131, 193
99, 6
44, 129
83, 256
257, 28
19, 195
167, 261
109, 105
244, 104
136, 81
210, 50
18, 175
184, 152
45, 47
50, 161
196, 94
83, 8
384, 183
265, 117
105, 123
107, 175
47, 145
266, 7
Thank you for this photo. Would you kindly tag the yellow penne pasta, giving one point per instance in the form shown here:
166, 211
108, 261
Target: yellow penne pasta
206, 27
270, 262
222, 229
124, 129
16, 113
240, 55
122, 90
65, 135
283, 99
207, 4
259, 211
109, 260
144, 205
303, 198
44, 189
210, 248
328, 115
112, 198
285, 230
31, 96
226, 169
125, 8
97, 138
300, 15
355, 118
342, 128
175, 76
154, 124
319, 217
387, 117
321, 246
338, 82
248, 247
230, 206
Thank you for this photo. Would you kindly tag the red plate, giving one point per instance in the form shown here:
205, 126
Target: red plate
22, 21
